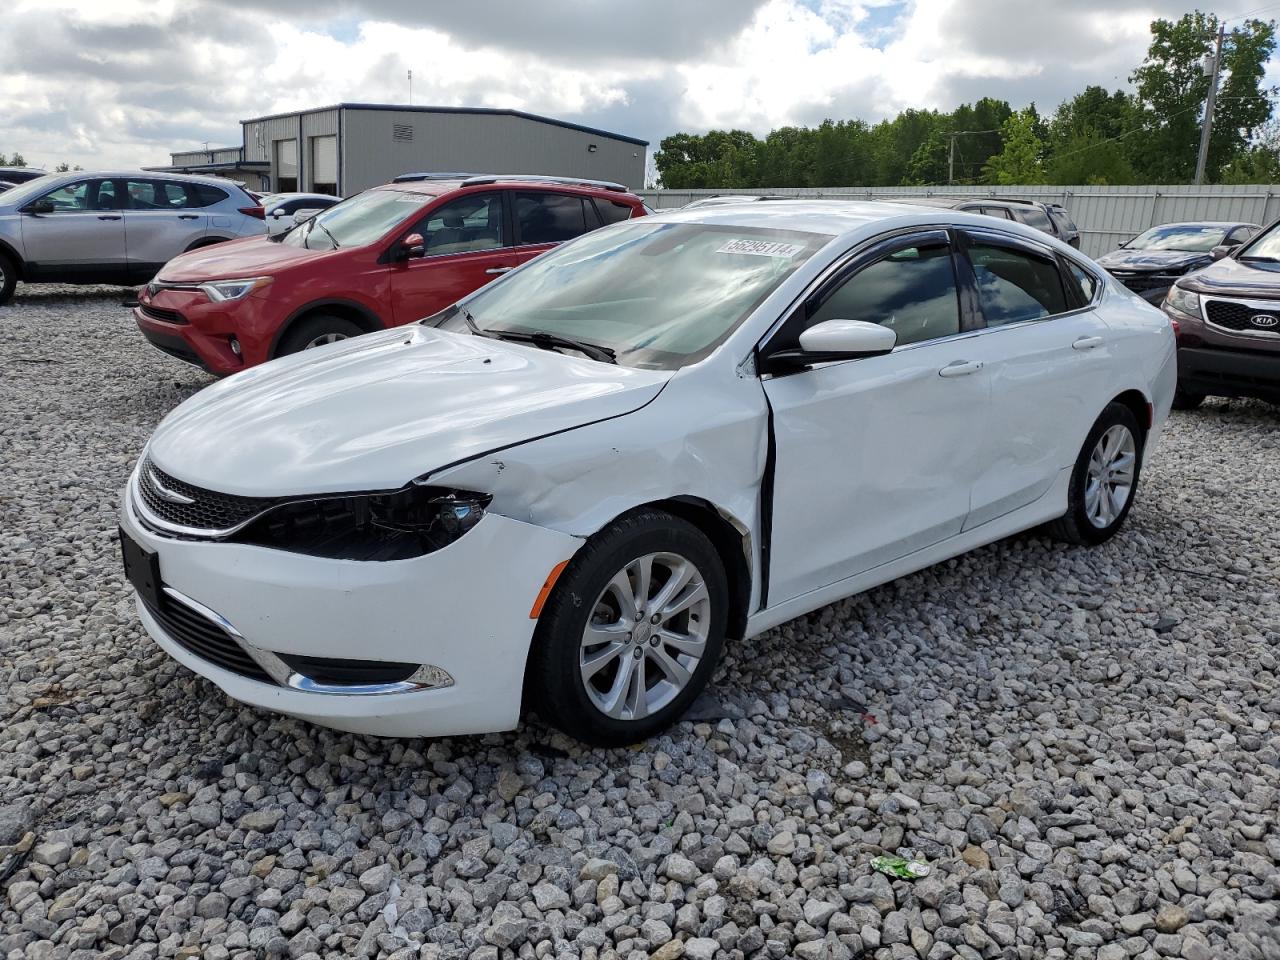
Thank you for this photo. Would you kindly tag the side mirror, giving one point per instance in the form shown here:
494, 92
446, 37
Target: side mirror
836, 340
1222, 250
302, 216
39, 206
413, 246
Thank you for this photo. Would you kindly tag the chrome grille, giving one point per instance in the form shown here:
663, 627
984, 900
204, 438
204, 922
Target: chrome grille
1240, 316
179, 504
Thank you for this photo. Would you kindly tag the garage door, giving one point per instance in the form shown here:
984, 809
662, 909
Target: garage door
324, 164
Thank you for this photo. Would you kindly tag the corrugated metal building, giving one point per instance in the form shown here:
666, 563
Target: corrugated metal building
349, 147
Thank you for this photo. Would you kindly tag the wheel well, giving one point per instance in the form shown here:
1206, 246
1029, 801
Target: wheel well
1138, 406
366, 323
205, 242
733, 546
12, 256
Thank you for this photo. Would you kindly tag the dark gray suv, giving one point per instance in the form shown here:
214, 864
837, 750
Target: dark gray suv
1051, 218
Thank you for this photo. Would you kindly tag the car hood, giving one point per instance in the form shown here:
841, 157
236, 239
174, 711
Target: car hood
377, 411
249, 257
1153, 260
1232, 277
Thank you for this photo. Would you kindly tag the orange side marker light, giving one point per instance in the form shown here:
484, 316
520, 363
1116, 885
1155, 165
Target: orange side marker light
547, 586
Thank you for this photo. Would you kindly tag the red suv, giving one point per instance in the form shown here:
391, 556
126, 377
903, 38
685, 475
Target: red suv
388, 256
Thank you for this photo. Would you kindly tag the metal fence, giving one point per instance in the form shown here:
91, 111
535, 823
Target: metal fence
1105, 215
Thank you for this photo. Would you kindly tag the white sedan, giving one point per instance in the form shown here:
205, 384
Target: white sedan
572, 489
284, 211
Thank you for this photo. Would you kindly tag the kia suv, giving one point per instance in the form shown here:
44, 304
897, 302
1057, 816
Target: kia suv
388, 256
1227, 317
114, 227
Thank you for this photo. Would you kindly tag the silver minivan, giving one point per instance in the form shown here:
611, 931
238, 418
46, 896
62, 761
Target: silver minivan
116, 228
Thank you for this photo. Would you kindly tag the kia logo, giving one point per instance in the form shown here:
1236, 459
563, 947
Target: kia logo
1263, 320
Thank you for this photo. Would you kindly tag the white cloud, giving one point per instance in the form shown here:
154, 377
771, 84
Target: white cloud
122, 83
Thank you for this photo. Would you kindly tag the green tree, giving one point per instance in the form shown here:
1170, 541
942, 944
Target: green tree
1088, 157
717, 159
17, 160
1019, 160
1172, 88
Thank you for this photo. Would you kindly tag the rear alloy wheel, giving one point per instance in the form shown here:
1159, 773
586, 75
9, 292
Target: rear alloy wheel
1104, 479
628, 662
316, 331
8, 278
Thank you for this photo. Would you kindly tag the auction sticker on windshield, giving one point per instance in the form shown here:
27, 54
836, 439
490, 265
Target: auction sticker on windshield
761, 248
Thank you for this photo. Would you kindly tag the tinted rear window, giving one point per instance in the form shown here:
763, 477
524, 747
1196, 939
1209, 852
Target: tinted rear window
611, 212
1035, 217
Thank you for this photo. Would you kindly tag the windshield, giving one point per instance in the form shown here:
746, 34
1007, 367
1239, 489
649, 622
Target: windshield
658, 295
27, 191
1189, 238
363, 219
1265, 246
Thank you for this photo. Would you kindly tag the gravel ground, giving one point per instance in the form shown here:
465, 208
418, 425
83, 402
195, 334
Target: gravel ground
1084, 743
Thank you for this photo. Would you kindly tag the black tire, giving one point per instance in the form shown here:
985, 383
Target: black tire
1075, 526
8, 278
554, 678
1186, 399
307, 331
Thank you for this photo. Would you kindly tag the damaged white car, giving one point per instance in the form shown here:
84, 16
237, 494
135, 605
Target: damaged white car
572, 489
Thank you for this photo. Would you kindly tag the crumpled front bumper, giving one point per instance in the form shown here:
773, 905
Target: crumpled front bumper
464, 609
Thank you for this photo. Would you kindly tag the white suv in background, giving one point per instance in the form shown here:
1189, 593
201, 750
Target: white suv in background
114, 227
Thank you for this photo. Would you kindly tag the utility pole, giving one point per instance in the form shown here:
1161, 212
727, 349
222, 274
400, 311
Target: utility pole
951, 159
411, 88
1207, 126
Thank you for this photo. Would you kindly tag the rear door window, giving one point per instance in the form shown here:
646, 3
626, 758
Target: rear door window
1015, 284
1001, 212
549, 217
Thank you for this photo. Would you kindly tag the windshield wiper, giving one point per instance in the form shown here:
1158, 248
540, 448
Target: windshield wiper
1260, 259
336, 245
542, 339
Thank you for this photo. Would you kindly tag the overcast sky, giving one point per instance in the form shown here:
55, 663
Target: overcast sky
120, 83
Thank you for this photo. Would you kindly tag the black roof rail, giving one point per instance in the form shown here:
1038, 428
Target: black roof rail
542, 178
414, 177
1014, 199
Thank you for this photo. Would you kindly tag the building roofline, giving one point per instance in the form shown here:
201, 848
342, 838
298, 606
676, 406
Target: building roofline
492, 111
223, 165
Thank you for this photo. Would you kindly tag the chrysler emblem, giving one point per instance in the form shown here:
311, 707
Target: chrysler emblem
1263, 320
164, 493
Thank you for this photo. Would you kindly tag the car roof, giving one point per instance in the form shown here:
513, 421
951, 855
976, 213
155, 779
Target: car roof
436, 187
1203, 223
140, 175
831, 217
23, 170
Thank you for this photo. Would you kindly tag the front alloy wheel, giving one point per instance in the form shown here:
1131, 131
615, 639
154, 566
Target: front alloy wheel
646, 636
632, 630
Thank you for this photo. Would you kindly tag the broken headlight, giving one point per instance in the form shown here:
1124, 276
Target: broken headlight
409, 522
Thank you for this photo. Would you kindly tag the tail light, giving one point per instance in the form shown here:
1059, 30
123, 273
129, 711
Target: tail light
257, 211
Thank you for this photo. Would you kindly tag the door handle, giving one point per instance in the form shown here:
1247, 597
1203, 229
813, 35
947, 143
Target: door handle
1087, 343
109, 216
960, 368
497, 270
188, 216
